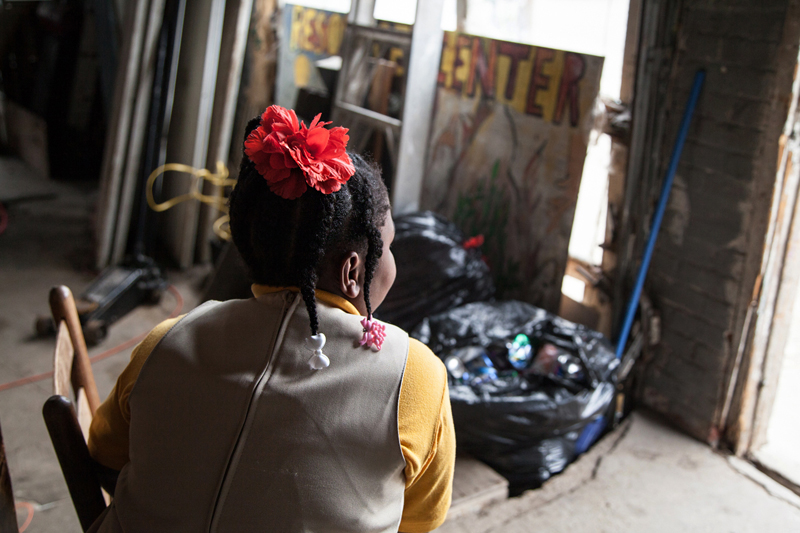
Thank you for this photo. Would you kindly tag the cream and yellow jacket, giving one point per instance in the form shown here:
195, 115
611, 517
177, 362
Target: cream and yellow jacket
219, 424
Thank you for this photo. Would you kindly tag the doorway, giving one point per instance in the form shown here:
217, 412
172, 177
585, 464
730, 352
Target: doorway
779, 451
768, 428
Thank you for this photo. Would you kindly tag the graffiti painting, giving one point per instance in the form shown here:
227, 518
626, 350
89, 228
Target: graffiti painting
509, 139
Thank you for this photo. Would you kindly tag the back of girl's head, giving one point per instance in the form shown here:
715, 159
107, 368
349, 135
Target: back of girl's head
285, 242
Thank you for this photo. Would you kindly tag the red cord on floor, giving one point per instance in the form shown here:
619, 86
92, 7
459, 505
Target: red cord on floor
29, 507
99, 357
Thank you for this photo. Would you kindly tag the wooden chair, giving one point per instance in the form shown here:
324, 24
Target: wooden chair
67, 420
8, 511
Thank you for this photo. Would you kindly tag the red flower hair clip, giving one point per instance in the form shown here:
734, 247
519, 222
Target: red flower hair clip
293, 157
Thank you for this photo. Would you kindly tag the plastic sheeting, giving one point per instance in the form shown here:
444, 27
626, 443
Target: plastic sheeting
435, 272
526, 423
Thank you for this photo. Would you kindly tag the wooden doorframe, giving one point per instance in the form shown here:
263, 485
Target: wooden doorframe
761, 348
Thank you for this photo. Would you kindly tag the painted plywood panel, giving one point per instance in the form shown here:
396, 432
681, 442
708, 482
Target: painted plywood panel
307, 36
508, 142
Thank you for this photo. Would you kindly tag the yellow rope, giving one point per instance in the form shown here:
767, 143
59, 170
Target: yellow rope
220, 179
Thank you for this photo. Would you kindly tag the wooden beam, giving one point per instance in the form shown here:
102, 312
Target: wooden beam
362, 12
423, 67
129, 187
232, 50
189, 132
779, 275
119, 128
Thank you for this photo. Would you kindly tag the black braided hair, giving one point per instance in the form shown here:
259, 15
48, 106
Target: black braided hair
284, 242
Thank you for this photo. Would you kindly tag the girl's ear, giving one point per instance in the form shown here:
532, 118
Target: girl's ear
350, 274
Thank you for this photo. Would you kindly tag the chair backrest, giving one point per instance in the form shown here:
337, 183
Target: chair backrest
71, 355
63, 365
73, 455
68, 421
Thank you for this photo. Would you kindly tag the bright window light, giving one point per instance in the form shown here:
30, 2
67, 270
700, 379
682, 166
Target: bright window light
401, 11
573, 288
338, 6
449, 15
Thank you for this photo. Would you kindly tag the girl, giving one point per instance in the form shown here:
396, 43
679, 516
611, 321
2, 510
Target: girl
294, 410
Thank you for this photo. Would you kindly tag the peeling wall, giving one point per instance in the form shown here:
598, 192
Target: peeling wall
708, 254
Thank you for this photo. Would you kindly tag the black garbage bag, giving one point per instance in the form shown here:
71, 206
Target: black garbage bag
435, 271
525, 420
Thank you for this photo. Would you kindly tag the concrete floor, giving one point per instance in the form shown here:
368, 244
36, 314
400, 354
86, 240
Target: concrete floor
646, 477
48, 242
643, 477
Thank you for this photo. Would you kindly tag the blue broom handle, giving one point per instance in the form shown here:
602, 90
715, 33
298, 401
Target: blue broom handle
659, 215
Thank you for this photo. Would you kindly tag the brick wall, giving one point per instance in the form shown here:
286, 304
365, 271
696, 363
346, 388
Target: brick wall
709, 249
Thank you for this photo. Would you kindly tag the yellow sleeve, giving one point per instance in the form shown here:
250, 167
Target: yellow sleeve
427, 439
108, 434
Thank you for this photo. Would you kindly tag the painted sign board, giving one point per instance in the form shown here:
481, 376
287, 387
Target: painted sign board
509, 137
308, 36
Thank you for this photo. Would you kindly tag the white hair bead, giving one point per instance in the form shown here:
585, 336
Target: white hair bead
319, 360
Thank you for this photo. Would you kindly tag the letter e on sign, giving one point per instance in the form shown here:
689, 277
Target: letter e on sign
539, 80
574, 68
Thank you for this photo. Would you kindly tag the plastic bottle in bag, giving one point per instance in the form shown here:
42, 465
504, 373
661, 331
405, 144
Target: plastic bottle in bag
520, 351
470, 365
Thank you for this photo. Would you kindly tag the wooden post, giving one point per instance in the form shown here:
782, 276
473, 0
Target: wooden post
361, 13
379, 100
235, 27
138, 132
119, 126
189, 131
423, 67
